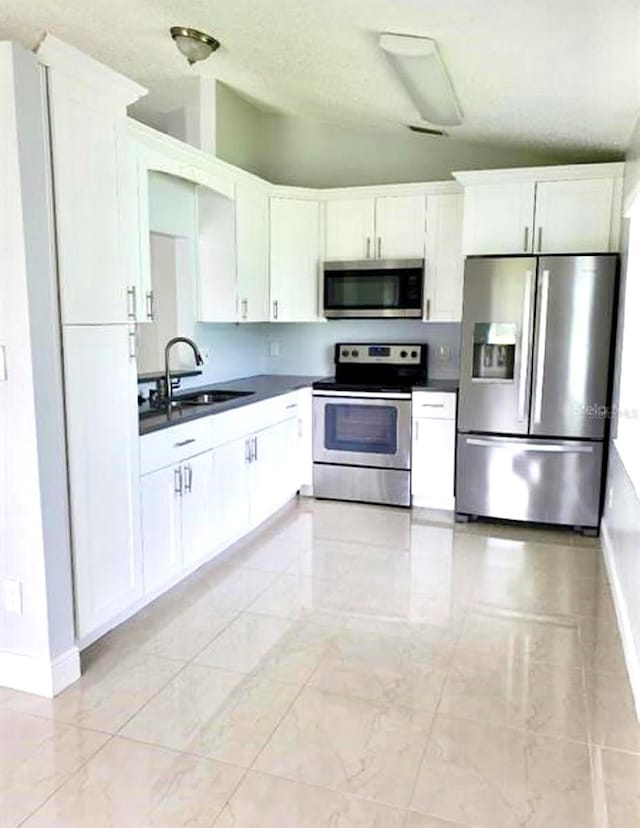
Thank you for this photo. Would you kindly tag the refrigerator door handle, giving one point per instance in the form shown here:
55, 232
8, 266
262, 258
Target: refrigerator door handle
545, 448
542, 343
524, 346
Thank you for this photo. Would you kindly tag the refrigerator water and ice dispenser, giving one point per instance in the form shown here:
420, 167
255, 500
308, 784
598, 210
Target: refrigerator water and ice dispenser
494, 351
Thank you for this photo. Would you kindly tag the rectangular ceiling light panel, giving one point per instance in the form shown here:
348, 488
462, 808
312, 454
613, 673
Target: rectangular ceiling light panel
419, 66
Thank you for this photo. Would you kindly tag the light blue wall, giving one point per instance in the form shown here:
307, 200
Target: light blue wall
308, 349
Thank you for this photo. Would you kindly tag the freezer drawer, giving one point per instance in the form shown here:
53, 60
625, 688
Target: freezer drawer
543, 481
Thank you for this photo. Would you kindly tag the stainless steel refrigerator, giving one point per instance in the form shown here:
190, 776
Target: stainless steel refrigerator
534, 388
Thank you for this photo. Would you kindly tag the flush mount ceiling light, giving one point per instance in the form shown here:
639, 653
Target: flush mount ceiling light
419, 66
193, 44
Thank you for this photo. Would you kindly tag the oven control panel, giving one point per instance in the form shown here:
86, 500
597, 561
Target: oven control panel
402, 354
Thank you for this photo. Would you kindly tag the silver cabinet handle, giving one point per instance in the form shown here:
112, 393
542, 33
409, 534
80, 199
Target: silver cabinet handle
368, 247
177, 481
184, 442
417, 430
3, 364
275, 308
247, 451
255, 448
542, 337
524, 346
544, 448
188, 478
131, 303
244, 308
150, 314
428, 311
132, 344
292, 405
379, 247
539, 239
526, 239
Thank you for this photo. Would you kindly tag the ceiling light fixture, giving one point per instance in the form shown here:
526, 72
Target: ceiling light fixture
193, 44
419, 66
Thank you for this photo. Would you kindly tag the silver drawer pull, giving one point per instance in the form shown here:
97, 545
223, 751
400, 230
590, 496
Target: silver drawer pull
293, 405
184, 442
432, 405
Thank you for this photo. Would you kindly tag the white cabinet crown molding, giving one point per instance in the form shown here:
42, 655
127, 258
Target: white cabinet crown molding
59, 55
563, 172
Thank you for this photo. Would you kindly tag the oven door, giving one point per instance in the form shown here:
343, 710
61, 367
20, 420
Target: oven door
362, 430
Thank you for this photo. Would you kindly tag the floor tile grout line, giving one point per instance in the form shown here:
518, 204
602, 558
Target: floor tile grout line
67, 779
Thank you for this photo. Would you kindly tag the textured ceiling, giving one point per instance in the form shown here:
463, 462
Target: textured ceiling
543, 73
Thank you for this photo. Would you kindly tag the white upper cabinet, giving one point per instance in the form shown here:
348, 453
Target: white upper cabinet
388, 227
400, 227
498, 218
350, 229
90, 154
542, 210
90, 159
294, 260
135, 210
444, 265
574, 216
252, 242
217, 296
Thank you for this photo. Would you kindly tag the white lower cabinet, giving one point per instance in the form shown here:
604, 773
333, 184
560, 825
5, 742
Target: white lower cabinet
102, 440
433, 450
161, 544
274, 466
197, 506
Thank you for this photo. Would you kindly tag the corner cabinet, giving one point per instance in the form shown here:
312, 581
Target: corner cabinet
542, 210
294, 260
433, 450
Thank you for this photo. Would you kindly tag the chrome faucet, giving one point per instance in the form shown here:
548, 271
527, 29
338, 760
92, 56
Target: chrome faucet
167, 368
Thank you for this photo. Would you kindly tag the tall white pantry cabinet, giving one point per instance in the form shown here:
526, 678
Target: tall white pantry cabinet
99, 307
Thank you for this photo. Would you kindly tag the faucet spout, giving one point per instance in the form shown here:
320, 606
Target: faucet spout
167, 361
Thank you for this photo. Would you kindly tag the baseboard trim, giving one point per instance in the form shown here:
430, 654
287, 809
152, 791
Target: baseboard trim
39, 675
444, 504
631, 655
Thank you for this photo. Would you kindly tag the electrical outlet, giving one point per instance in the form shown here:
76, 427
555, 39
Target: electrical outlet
274, 349
206, 354
444, 353
12, 596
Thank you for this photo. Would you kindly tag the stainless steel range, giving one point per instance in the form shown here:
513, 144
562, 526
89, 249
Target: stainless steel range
362, 423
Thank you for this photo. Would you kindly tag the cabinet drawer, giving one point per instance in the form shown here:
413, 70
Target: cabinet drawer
174, 444
436, 405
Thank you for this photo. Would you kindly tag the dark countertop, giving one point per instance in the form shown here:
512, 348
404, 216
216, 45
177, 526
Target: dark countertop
263, 387
447, 386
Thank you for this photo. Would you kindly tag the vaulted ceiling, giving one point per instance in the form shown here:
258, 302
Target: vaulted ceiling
547, 74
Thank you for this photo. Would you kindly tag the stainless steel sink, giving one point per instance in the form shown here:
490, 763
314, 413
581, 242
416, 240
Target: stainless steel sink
209, 397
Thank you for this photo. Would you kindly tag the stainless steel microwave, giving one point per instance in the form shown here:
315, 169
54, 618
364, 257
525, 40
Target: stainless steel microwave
374, 288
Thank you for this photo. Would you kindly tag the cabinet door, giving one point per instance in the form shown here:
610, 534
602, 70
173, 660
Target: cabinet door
252, 236
103, 449
161, 554
230, 488
400, 227
135, 210
433, 462
305, 440
444, 261
498, 218
274, 469
349, 229
295, 253
89, 161
198, 540
217, 291
574, 216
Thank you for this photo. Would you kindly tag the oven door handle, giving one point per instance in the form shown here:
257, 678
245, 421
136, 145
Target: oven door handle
365, 395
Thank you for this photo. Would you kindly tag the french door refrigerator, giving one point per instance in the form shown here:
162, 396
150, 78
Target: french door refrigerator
534, 389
